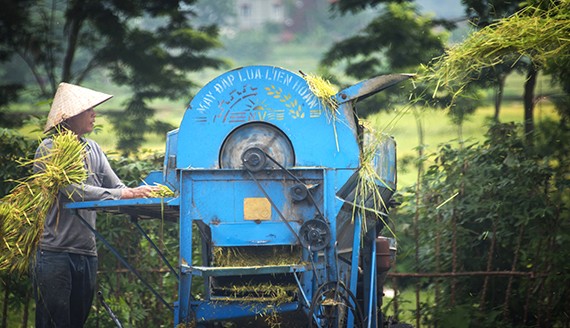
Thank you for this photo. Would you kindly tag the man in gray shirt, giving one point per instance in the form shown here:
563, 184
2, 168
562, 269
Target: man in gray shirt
64, 273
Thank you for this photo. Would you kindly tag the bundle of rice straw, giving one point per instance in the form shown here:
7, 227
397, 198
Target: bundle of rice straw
23, 210
162, 191
324, 90
536, 32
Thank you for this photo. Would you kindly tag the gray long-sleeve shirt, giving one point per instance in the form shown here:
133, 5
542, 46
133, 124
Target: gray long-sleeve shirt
63, 231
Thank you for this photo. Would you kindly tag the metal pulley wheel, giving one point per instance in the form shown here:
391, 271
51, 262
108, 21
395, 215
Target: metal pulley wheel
331, 306
248, 144
254, 159
299, 192
315, 235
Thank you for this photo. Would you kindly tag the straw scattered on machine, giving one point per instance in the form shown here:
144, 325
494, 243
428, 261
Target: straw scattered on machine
163, 191
256, 256
535, 33
273, 295
325, 91
23, 210
260, 292
368, 197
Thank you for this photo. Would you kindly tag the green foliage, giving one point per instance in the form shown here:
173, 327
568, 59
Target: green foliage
399, 39
149, 47
535, 33
502, 205
129, 299
15, 149
15, 289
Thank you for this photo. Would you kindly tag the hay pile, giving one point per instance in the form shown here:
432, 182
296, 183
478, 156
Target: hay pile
23, 210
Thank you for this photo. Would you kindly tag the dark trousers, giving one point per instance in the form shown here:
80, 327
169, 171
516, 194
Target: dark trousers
64, 286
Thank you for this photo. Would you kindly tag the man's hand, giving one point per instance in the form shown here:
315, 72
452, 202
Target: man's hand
138, 192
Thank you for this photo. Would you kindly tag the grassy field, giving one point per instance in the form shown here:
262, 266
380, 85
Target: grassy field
406, 303
438, 129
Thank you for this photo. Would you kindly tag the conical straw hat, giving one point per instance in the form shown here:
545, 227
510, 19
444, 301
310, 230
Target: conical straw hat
71, 100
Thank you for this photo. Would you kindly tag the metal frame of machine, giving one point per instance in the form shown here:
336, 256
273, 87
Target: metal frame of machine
260, 163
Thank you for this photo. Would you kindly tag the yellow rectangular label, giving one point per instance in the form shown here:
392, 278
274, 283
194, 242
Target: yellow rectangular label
256, 209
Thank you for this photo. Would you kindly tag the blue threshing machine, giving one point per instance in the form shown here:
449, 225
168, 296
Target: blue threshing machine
265, 179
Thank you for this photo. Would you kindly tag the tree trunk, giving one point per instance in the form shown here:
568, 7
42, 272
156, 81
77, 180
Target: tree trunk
5, 307
528, 96
499, 95
26, 314
75, 23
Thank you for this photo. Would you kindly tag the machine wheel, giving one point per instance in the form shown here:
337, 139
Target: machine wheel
250, 142
331, 305
315, 235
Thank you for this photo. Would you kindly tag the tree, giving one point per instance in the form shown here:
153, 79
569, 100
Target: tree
498, 206
399, 39
481, 14
490, 15
147, 46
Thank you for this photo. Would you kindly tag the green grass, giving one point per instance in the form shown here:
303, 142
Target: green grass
438, 129
407, 304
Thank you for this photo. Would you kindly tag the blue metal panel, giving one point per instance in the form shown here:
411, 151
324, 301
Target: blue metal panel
331, 212
161, 208
185, 258
208, 311
123, 202
216, 197
169, 168
272, 95
366, 88
264, 233
154, 177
